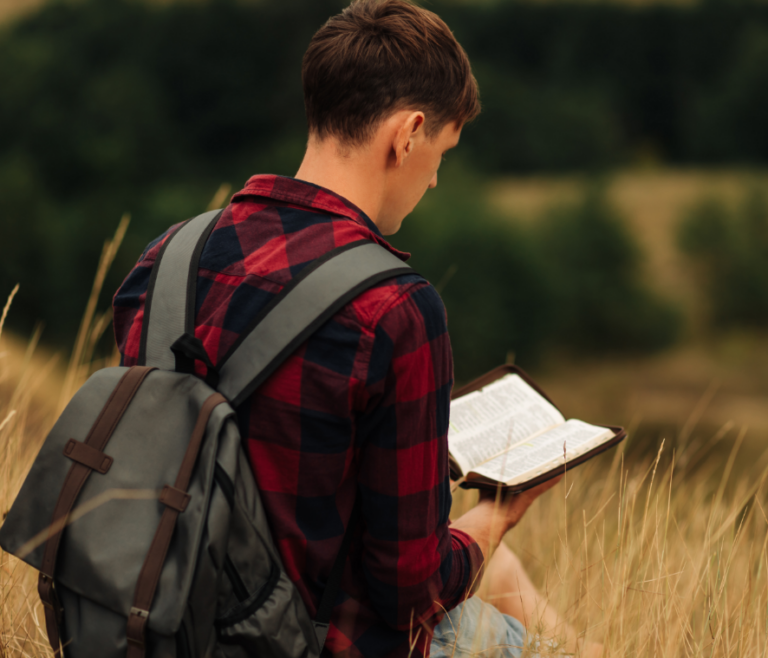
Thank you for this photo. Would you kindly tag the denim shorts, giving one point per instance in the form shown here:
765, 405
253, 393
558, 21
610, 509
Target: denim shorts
475, 626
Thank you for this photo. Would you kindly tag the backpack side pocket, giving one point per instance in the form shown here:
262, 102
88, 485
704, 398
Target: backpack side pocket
259, 610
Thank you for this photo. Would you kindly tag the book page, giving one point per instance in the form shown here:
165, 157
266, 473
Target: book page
487, 422
544, 452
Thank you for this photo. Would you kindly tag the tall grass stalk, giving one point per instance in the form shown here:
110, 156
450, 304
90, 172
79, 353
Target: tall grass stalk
92, 326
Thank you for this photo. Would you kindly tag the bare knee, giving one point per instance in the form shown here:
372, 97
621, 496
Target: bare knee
504, 555
505, 567
504, 574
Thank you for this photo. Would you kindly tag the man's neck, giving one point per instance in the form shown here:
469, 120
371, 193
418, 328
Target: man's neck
355, 173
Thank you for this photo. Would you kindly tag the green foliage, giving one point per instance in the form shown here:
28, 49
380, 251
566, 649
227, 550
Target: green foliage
590, 85
496, 288
532, 125
110, 106
730, 250
602, 304
570, 281
728, 121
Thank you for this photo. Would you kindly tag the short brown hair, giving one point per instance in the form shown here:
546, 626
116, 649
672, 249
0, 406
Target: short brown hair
380, 56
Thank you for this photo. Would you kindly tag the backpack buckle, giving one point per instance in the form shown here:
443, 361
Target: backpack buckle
189, 348
134, 632
48, 596
174, 498
321, 632
54, 613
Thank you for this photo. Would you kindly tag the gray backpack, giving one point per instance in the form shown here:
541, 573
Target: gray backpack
141, 511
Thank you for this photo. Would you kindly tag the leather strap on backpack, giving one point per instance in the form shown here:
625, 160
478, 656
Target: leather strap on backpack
175, 499
87, 457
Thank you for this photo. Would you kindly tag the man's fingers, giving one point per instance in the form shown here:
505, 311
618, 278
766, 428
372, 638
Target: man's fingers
545, 486
525, 498
522, 499
535, 492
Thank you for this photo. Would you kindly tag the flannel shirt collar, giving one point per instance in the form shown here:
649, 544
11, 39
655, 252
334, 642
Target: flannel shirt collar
313, 197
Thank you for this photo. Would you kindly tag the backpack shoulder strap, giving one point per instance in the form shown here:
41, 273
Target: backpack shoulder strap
169, 309
310, 299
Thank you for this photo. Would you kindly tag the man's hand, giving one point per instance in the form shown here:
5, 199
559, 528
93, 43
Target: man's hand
511, 507
489, 521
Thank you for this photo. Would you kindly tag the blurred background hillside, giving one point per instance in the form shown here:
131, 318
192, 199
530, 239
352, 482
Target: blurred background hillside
604, 223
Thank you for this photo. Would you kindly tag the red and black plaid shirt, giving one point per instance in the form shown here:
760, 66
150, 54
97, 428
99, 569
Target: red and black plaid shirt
360, 410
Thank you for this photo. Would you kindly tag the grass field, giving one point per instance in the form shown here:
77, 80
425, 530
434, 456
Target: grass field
653, 557
659, 548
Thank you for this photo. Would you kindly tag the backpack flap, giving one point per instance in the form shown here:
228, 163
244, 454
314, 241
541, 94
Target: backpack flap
117, 513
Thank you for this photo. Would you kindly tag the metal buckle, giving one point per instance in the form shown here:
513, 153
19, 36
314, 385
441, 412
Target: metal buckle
47, 595
49, 598
133, 630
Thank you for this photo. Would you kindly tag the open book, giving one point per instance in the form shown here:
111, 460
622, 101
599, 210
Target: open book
504, 430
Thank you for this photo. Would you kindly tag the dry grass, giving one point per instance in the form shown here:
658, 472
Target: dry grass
652, 558
29, 388
665, 556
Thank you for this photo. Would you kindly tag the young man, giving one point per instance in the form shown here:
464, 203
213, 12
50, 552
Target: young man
360, 412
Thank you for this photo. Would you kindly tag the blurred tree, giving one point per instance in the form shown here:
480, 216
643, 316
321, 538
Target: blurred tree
495, 285
729, 119
730, 250
570, 281
111, 105
601, 301
528, 126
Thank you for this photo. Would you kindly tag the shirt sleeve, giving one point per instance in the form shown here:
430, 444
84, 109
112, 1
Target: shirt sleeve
414, 563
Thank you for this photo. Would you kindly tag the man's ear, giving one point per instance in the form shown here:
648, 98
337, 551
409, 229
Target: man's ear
411, 125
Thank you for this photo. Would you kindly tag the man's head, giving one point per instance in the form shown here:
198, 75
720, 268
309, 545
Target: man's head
379, 56
388, 71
